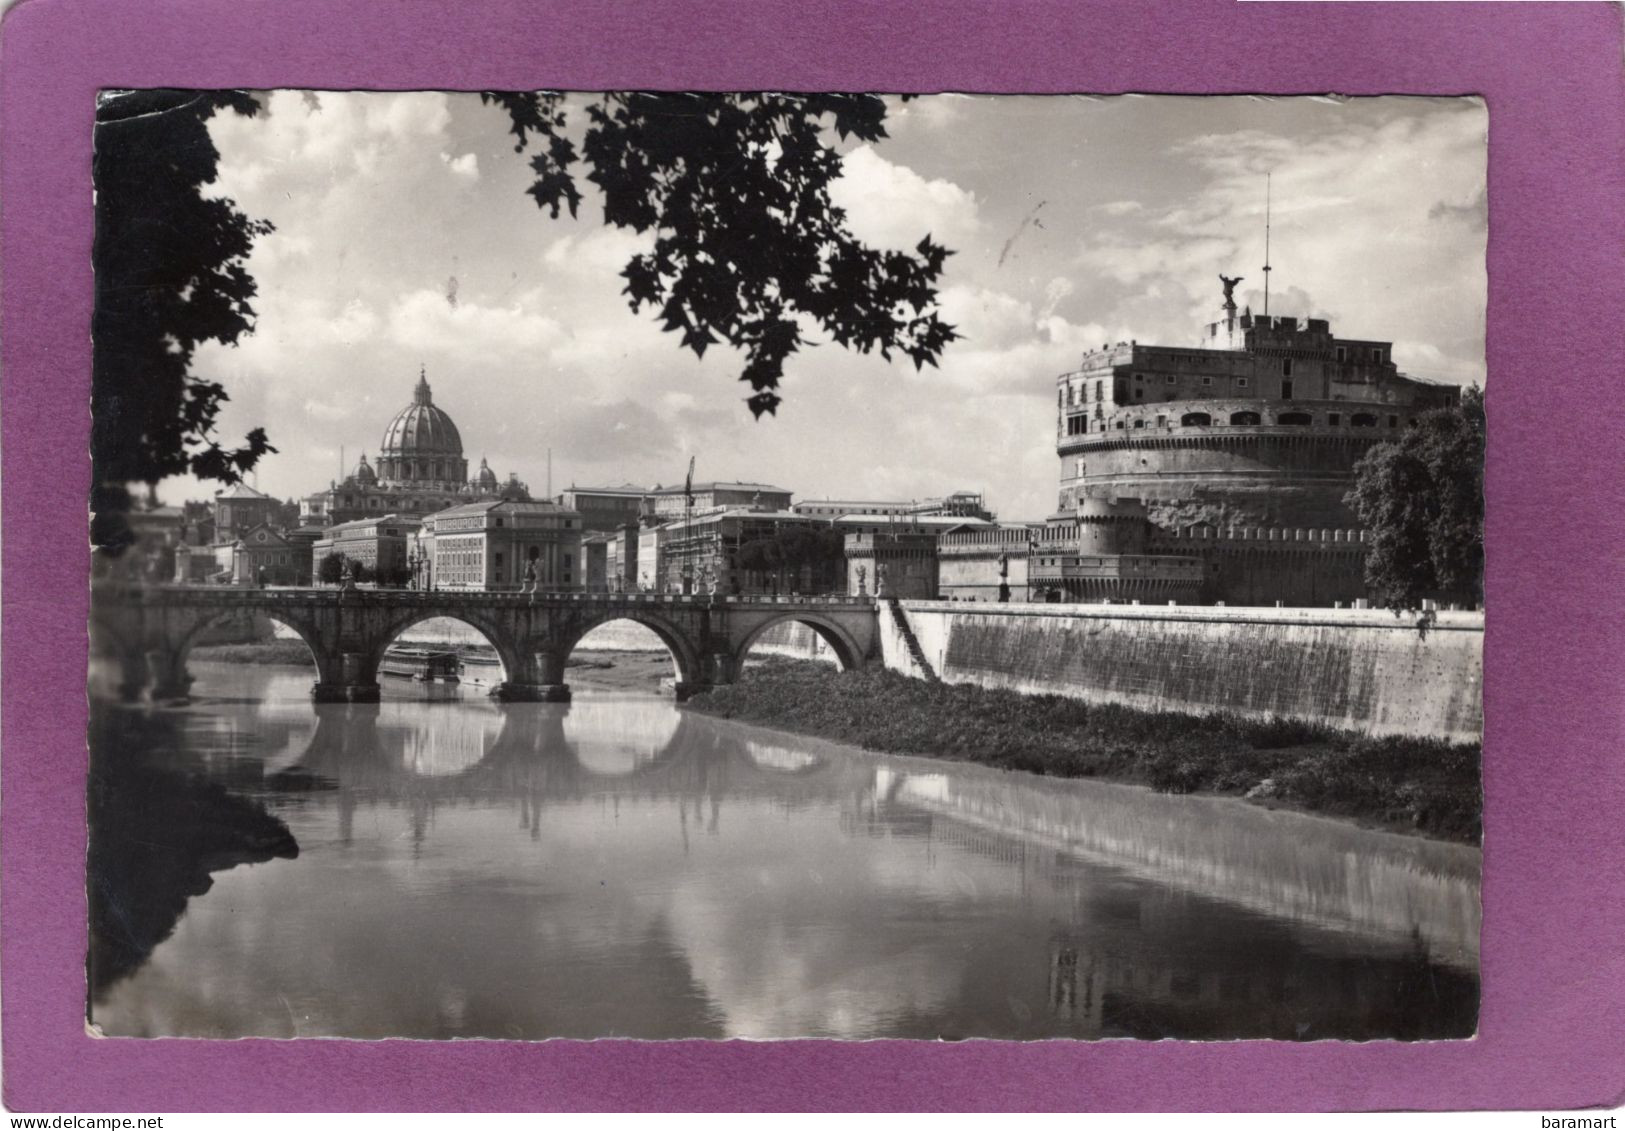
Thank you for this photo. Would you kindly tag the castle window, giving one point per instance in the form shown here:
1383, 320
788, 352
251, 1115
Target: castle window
1099, 386
1139, 394
1342, 353
1393, 421
1286, 367
1241, 382
1119, 424
1207, 380
1139, 376
1244, 418
1363, 420
1139, 424
1196, 420
1169, 379
1334, 418
1376, 356
1286, 390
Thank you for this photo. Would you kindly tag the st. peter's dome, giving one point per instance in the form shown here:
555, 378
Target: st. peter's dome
422, 443
422, 429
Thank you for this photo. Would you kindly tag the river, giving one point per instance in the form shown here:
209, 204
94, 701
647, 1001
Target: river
439, 866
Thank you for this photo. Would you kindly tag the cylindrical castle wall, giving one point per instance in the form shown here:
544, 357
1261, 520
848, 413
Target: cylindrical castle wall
1111, 526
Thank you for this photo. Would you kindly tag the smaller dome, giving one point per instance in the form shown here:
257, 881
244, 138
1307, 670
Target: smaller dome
487, 477
364, 472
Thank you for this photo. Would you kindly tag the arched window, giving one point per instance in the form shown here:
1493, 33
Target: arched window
1244, 418
1196, 419
1299, 418
1363, 420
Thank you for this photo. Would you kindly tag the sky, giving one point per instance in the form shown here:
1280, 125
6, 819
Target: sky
404, 238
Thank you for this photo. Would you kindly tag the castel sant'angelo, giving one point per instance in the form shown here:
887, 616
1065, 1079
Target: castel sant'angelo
1217, 472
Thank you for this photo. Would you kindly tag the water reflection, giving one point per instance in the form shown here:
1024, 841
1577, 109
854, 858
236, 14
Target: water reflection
616, 867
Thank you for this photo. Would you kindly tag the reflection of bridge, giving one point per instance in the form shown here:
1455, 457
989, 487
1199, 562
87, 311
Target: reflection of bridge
150, 630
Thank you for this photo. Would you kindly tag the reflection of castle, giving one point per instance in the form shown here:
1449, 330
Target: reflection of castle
421, 469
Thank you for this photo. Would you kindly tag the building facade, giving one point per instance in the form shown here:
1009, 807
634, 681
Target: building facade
421, 469
893, 564
960, 504
606, 508
746, 550
382, 545
984, 563
667, 503
240, 508
501, 544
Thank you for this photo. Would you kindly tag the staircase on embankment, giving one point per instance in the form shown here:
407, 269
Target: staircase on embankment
912, 642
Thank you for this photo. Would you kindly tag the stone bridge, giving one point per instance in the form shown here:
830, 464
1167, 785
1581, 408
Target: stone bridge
150, 630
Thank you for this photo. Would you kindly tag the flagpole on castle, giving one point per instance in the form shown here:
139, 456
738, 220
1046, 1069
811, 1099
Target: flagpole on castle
1266, 245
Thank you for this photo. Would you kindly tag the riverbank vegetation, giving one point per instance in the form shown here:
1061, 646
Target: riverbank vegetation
1416, 785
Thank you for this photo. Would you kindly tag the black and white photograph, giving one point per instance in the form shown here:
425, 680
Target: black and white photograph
671, 565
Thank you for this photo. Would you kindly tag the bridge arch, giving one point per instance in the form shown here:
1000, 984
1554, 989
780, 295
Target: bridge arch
113, 643
172, 679
684, 653
516, 659
849, 654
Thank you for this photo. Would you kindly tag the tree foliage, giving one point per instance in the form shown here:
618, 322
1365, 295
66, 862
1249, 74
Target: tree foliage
330, 570
1421, 501
791, 550
748, 245
170, 275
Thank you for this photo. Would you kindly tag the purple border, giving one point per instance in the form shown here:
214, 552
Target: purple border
1552, 1032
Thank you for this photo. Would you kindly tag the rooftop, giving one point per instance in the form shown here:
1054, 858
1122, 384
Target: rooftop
510, 506
359, 523
903, 523
240, 490
723, 485
631, 489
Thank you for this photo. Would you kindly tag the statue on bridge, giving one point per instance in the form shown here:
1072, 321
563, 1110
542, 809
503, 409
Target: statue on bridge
863, 578
880, 579
530, 576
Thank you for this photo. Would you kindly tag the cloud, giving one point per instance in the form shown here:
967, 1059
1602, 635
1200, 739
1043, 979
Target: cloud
468, 165
380, 199
893, 206
1132, 261
1381, 219
424, 320
933, 113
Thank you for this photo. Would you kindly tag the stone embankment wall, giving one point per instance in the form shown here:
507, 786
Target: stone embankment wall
1356, 669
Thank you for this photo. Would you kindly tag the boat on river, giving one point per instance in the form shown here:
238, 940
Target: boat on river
422, 664
482, 669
